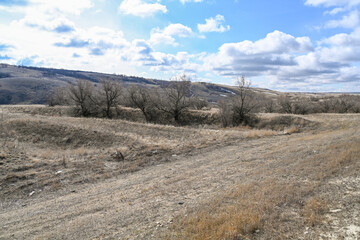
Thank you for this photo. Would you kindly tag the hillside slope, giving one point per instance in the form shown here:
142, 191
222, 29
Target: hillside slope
31, 85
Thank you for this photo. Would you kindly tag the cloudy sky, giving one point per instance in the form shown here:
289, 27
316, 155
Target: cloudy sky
287, 45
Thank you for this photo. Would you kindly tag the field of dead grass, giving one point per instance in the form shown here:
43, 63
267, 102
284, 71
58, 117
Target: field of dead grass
44, 149
294, 179
285, 198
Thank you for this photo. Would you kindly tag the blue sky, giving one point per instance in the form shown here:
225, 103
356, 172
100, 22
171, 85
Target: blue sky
292, 45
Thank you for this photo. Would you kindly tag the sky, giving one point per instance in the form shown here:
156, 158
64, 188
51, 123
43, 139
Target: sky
285, 45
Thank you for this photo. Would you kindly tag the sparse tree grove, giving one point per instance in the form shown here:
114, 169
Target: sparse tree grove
171, 102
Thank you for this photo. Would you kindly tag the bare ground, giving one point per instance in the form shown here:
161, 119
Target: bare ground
193, 169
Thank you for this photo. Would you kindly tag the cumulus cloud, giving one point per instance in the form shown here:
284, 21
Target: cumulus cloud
214, 25
49, 23
140, 8
332, 3
275, 42
331, 62
74, 43
96, 41
49, 15
335, 11
166, 35
285, 59
258, 58
347, 21
64, 6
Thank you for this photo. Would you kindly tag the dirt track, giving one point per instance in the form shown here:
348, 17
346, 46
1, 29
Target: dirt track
139, 205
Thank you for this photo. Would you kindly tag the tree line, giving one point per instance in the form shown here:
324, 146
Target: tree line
170, 104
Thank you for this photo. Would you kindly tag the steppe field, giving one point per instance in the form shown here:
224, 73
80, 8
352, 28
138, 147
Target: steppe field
296, 177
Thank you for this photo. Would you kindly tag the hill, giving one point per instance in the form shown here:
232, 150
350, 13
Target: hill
32, 85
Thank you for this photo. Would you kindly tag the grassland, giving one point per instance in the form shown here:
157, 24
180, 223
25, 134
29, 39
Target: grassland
64, 178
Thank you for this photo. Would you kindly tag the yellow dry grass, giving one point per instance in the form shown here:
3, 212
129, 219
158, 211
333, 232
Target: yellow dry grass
314, 210
259, 207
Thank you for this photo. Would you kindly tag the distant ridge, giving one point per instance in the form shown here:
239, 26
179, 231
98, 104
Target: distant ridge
32, 85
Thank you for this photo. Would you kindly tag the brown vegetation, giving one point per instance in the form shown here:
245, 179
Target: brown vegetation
111, 178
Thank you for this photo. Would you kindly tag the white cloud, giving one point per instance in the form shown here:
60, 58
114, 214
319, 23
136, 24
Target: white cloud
331, 3
140, 8
335, 11
178, 30
331, 62
166, 36
185, 1
66, 6
262, 57
214, 25
142, 54
347, 21
46, 22
352, 39
51, 6
276, 42
290, 61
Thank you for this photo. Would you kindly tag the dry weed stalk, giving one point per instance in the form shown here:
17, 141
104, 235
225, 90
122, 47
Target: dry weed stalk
313, 211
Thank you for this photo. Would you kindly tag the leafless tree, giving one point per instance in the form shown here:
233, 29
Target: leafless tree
269, 105
242, 104
81, 94
174, 99
198, 103
141, 99
285, 104
239, 109
226, 114
108, 96
58, 96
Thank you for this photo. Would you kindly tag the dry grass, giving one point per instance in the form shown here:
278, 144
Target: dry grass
314, 211
241, 212
274, 189
255, 133
292, 130
270, 207
86, 147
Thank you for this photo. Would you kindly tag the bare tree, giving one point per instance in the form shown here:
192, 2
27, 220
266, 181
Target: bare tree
242, 104
81, 94
58, 96
269, 105
174, 100
198, 103
285, 104
108, 96
141, 99
226, 114
239, 109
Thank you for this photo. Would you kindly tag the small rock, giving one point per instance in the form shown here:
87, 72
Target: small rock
257, 230
180, 203
58, 172
174, 155
30, 194
335, 210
